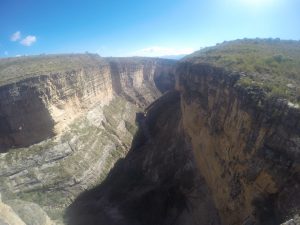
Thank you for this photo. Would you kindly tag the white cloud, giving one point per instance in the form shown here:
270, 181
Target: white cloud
29, 40
15, 36
157, 51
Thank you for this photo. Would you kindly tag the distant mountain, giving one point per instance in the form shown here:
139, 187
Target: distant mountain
177, 57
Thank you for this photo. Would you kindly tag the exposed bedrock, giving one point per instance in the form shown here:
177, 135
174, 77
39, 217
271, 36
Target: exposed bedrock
212, 152
246, 145
156, 183
89, 124
40, 107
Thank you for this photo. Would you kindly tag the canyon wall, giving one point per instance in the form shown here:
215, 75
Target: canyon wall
62, 132
156, 183
40, 107
246, 145
212, 152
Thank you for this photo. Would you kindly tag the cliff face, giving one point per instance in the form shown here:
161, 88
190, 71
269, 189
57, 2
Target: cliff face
34, 109
41, 107
139, 82
215, 152
246, 145
62, 132
156, 183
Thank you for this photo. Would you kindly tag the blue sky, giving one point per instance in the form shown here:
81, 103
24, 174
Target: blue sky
139, 27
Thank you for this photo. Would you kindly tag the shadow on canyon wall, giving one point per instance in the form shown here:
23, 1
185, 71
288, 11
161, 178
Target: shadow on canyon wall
22, 114
157, 183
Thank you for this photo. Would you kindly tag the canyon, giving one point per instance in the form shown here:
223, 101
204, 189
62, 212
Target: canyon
146, 141
65, 130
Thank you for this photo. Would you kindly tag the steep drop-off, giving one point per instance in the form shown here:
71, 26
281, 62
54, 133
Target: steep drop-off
246, 146
243, 140
222, 148
62, 132
156, 183
40, 107
240, 109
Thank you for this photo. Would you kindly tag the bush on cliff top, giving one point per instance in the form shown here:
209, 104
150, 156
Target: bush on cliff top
272, 64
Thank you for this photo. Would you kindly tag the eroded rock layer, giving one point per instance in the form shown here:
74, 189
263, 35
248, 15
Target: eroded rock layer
40, 107
63, 132
246, 145
156, 183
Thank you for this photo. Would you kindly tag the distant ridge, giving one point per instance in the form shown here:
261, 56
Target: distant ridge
176, 57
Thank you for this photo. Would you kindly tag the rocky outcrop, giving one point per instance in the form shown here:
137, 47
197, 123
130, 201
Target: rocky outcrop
293, 221
17, 212
8, 216
246, 145
30, 213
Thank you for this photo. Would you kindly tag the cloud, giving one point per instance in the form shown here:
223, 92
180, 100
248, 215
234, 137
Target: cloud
15, 36
29, 40
157, 51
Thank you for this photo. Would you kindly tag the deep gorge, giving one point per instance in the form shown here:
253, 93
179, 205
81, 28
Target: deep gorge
150, 142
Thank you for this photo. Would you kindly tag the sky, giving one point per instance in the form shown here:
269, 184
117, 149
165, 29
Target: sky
139, 27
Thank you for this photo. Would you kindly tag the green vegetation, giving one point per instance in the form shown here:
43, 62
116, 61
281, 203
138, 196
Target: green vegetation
19, 68
15, 69
271, 64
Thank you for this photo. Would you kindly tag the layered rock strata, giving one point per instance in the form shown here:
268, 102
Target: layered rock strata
213, 152
156, 183
62, 132
246, 145
42, 106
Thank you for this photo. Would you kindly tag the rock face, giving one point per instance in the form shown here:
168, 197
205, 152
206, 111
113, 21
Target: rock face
156, 183
37, 108
246, 145
63, 132
8, 216
19, 212
30, 213
222, 154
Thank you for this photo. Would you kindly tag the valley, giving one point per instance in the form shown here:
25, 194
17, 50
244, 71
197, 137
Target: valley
149, 141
